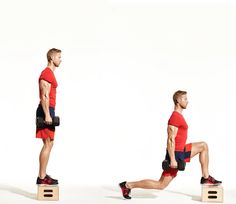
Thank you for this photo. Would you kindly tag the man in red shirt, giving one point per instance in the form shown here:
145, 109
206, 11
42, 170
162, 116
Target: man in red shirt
46, 110
177, 149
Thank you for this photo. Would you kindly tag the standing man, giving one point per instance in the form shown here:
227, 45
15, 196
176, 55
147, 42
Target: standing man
46, 110
177, 149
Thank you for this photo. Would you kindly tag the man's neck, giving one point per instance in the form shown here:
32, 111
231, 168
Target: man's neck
178, 109
51, 66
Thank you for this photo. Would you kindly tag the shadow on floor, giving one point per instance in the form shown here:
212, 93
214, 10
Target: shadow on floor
194, 197
137, 194
15, 190
151, 194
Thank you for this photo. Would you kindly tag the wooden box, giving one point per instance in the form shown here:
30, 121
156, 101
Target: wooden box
48, 192
212, 193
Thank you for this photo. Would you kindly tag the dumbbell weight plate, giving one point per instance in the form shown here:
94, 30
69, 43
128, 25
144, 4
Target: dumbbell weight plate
165, 165
39, 122
181, 165
56, 121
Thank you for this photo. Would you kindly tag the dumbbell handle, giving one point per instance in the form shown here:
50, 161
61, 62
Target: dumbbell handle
166, 165
41, 123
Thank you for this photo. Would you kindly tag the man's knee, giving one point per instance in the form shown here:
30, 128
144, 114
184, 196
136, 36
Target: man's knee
163, 183
204, 145
48, 144
162, 186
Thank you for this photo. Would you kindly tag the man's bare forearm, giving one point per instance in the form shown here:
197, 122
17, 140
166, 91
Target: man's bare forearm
45, 104
44, 98
171, 148
172, 131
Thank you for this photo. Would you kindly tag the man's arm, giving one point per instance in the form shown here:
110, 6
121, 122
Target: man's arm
45, 88
172, 132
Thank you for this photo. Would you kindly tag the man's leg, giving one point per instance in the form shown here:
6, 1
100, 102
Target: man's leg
147, 184
151, 184
201, 148
44, 156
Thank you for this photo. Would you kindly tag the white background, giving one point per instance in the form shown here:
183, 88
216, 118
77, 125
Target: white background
122, 61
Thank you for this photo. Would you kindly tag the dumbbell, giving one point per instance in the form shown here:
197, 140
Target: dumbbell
181, 165
41, 123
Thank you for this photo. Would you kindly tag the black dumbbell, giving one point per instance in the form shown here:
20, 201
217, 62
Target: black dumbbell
40, 122
181, 165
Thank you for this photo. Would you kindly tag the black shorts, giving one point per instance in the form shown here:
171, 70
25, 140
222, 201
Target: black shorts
40, 113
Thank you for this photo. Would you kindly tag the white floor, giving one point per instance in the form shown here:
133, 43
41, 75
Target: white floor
11, 194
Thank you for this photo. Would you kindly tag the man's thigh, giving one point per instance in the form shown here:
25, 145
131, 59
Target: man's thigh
196, 148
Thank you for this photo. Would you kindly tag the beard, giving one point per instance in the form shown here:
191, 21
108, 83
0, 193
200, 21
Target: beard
56, 64
183, 106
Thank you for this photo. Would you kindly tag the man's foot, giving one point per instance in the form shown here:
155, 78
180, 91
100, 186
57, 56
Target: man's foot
210, 181
125, 190
47, 180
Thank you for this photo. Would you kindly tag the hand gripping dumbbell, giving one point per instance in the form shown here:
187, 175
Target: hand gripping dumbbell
180, 167
40, 122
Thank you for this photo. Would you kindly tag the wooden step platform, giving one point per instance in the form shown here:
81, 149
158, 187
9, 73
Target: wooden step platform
212, 193
48, 192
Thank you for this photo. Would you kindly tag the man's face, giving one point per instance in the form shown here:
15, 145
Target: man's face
56, 59
183, 101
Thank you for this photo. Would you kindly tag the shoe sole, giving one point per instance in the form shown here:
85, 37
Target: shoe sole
46, 184
211, 184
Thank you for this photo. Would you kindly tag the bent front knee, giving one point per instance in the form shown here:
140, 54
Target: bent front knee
204, 146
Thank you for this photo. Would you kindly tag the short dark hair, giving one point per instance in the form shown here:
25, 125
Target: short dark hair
52, 52
177, 94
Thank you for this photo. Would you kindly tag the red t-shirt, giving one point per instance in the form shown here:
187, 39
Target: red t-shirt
48, 75
177, 120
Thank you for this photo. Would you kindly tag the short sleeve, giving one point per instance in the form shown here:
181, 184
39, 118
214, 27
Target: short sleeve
46, 75
175, 120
